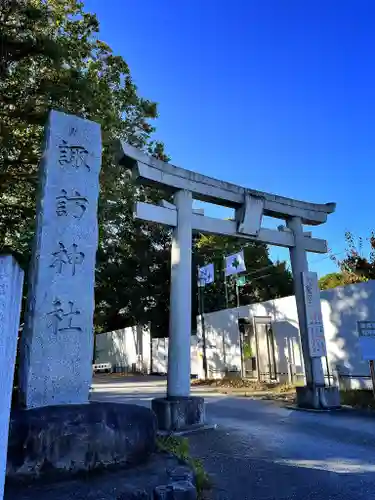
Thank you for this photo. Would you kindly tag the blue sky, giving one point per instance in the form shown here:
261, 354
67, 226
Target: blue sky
276, 95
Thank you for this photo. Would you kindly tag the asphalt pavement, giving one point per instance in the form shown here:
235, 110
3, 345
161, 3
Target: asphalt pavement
262, 451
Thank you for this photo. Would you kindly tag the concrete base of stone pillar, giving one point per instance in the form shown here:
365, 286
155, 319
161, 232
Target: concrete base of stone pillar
318, 398
176, 414
59, 441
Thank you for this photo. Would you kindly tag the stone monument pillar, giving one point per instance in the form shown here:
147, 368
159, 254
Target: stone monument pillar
314, 394
57, 341
11, 281
298, 258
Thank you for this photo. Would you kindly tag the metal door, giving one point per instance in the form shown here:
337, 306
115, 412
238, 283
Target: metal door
248, 349
265, 349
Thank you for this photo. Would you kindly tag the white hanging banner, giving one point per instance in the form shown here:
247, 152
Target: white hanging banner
314, 319
235, 264
206, 275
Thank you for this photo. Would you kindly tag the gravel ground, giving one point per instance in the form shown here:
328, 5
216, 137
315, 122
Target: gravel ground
261, 451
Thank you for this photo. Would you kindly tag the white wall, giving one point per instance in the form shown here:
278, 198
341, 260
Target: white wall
222, 328
160, 356
131, 345
342, 307
125, 347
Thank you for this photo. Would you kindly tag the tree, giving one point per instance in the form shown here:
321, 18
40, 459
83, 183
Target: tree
52, 58
265, 280
355, 266
333, 280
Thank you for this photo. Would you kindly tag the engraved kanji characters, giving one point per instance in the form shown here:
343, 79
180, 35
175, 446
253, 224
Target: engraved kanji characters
67, 256
75, 205
68, 204
61, 320
73, 155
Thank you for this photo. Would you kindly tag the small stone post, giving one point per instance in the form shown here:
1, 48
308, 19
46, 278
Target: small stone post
11, 281
57, 342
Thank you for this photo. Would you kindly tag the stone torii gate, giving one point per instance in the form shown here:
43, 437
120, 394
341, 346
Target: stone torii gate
250, 206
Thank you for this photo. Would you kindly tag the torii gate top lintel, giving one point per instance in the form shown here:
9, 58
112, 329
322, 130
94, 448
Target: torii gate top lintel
250, 205
149, 170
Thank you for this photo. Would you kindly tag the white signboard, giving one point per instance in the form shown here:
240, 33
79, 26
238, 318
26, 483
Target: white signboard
205, 275
366, 332
314, 319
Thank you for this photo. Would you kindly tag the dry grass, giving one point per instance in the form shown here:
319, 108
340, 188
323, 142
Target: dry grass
242, 383
357, 398
250, 388
234, 382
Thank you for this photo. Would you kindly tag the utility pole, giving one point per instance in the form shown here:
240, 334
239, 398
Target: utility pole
203, 326
225, 286
237, 294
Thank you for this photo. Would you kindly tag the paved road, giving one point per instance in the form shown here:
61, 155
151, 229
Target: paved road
262, 451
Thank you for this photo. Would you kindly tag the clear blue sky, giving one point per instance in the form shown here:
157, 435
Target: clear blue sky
276, 95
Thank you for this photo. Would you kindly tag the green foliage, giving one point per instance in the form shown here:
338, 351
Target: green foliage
332, 280
52, 57
179, 447
355, 267
265, 279
246, 350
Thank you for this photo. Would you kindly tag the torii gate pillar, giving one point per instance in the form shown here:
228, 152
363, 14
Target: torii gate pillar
180, 301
